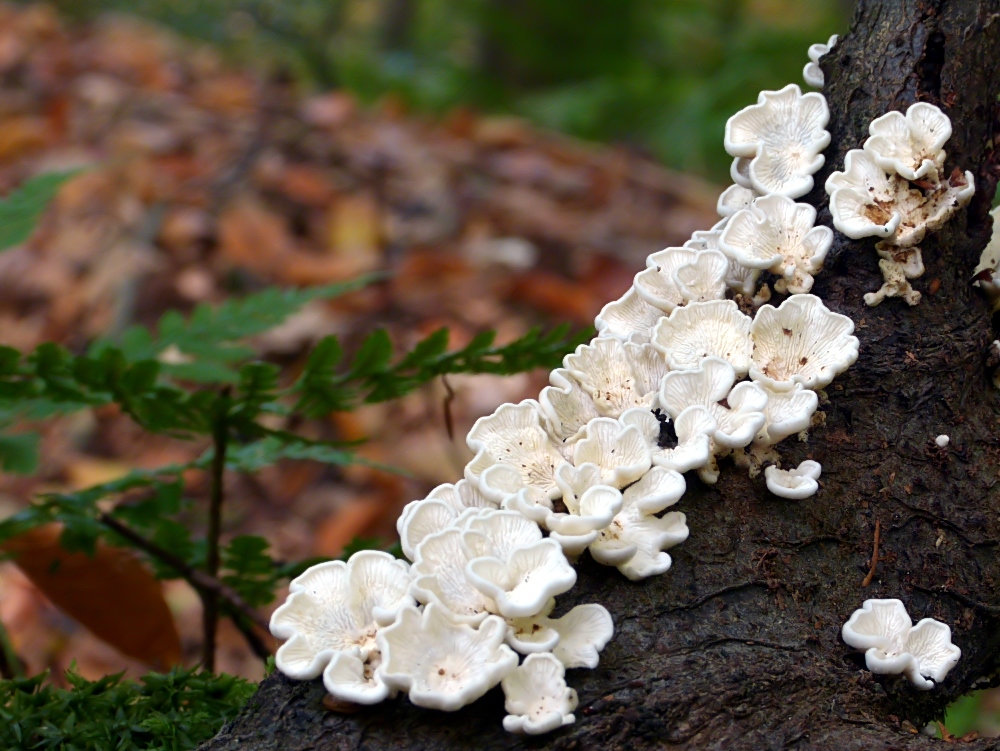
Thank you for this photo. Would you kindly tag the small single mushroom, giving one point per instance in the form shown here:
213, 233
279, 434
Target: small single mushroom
794, 484
735, 198
708, 329
923, 653
337, 608
524, 581
783, 135
536, 697
801, 341
942, 441
786, 413
812, 73
513, 451
627, 318
566, 406
619, 451
910, 145
442, 664
439, 577
576, 638
657, 284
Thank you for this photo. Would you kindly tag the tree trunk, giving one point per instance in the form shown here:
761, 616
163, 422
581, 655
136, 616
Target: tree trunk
738, 646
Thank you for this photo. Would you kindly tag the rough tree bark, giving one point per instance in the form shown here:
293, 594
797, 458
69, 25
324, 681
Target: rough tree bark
738, 645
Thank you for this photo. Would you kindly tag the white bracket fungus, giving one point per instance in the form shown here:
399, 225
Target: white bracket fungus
812, 73
627, 318
923, 653
442, 664
910, 145
636, 539
783, 135
738, 410
986, 277
794, 484
513, 451
596, 462
536, 697
337, 608
801, 341
675, 276
706, 329
776, 234
895, 189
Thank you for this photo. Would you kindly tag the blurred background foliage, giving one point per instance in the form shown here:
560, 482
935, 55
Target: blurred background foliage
660, 75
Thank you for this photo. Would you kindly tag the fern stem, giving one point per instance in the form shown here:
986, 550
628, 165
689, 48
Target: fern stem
10, 666
210, 599
197, 578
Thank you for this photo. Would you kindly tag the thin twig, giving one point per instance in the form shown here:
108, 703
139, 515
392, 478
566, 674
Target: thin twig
256, 644
198, 579
871, 571
449, 422
210, 599
10, 666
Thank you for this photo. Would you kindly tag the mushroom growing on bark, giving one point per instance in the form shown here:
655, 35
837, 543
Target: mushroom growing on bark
747, 616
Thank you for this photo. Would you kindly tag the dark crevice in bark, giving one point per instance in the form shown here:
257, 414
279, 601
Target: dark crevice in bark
738, 645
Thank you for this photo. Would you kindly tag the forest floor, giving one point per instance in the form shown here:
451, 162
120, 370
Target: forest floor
202, 182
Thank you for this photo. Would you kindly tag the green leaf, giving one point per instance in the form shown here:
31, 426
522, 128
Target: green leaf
19, 453
204, 346
21, 209
373, 354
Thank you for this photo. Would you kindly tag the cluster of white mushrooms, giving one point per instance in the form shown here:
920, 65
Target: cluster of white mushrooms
690, 366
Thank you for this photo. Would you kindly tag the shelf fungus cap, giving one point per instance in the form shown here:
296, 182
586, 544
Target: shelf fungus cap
439, 577
437, 511
576, 638
738, 411
705, 329
337, 607
566, 406
616, 375
910, 145
812, 73
349, 678
863, 198
627, 318
794, 484
693, 428
739, 170
657, 284
442, 664
783, 135
779, 235
619, 450
513, 451
739, 278
786, 413
801, 341
735, 198
636, 540
536, 696
923, 653
524, 581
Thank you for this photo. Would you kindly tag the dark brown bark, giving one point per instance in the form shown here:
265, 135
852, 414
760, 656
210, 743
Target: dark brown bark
738, 645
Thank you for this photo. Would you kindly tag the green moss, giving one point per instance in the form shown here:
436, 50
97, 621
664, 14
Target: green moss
173, 711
